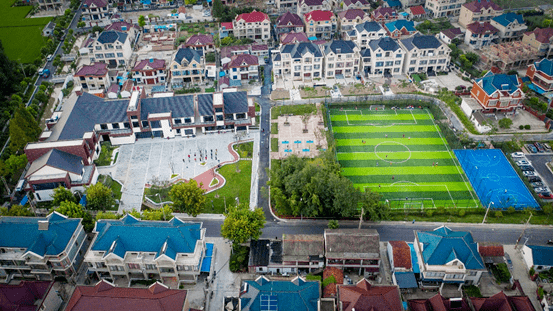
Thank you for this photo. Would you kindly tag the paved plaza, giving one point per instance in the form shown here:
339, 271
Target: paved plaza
148, 159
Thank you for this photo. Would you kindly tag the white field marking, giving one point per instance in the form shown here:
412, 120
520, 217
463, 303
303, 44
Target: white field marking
450, 155
380, 125
410, 183
376, 152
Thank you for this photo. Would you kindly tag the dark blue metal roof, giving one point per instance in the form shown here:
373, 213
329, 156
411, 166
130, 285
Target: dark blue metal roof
188, 54
299, 49
421, 42
179, 106
111, 36
235, 102
64, 161
205, 104
344, 47
386, 44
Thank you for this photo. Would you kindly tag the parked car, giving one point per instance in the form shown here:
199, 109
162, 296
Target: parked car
523, 162
549, 242
529, 173
546, 145
536, 184
40, 71
541, 189
527, 168
509, 261
540, 147
46, 73
517, 155
534, 179
545, 195
50, 57
531, 148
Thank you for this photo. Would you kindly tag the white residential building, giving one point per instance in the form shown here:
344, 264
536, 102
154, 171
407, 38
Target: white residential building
254, 25
111, 47
341, 59
348, 19
320, 24
444, 8
306, 6
511, 26
299, 62
424, 54
386, 58
364, 33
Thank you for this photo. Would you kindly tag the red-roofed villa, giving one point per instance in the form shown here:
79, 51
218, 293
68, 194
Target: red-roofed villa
93, 77
255, 25
150, 71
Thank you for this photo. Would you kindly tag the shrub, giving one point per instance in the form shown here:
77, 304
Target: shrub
329, 280
505, 123
440, 210
429, 213
511, 210
311, 277
462, 212
527, 126
333, 224
521, 127
532, 271
498, 214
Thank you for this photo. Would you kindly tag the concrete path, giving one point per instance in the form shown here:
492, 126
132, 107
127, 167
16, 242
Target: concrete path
520, 273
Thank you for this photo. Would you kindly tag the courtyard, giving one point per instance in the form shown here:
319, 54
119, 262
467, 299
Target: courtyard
157, 159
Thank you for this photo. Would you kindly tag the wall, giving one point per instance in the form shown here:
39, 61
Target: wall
122, 140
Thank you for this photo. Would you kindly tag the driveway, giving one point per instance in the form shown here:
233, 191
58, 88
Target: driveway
150, 159
520, 273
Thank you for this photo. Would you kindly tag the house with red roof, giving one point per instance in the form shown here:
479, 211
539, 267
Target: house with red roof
541, 40
259, 50
93, 77
106, 296
201, 42
293, 38
448, 35
226, 30
401, 261
320, 24
502, 302
255, 25
438, 302
366, 297
306, 6
29, 296
541, 74
492, 253
479, 35
242, 67
384, 15
417, 12
288, 22
478, 11
150, 71
349, 18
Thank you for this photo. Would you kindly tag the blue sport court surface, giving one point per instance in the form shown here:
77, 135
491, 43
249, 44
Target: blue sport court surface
494, 179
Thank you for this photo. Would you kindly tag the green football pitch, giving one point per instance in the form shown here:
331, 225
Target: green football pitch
400, 154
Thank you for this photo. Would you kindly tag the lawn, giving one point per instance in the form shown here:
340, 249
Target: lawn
293, 110
274, 128
245, 150
113, 185
105, 155
237, 185
21, 37
274, 144
402, 155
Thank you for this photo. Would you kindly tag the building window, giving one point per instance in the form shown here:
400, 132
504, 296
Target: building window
133, 266
115, 125
104, 126
150, 267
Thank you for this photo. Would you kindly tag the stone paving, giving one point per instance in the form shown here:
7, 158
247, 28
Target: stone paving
149, 159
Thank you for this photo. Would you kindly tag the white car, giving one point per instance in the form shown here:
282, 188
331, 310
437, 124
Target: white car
517, 155
40, 71
542, 189
523, 162
529, 173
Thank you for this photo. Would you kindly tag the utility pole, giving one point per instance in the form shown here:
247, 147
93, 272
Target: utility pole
522, 233
487, 211
361, 217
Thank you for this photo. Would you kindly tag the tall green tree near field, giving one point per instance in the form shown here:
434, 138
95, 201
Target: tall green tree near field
217, 10
188, 197
74, 210
23, 129
10, 76
141, 21
13, 164
62, 194
16, 210
99, 197
242, 224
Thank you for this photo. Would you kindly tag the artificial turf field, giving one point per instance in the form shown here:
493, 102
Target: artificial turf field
400, 154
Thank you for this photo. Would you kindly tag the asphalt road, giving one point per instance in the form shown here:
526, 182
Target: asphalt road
389, 231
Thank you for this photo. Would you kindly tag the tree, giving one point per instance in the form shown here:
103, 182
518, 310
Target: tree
242, 224
227, 41
16, 210
333, 224
218, 9
74, 210
106, 215
99, 197
165, 213
498, 214
141, 21
188, 197
97, 29
10, 75
547, 209
81, 24
23, 129
15, 163
62, 194
190, 2
505, 123
373, 207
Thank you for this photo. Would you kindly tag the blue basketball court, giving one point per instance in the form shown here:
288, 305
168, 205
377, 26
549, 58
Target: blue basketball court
494, 179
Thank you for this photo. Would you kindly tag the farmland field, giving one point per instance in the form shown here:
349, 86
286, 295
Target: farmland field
21, 37
400, 154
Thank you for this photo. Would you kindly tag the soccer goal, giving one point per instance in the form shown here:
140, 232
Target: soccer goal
376, 107
412, 203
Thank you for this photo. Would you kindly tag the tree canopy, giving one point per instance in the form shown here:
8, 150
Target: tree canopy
188, 197
74, 210
99, 197
16, 210
62, 194
242, 224
23, 129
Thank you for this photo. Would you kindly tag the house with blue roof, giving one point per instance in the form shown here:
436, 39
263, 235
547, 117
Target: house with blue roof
132, 249
363, 33
425, 54
386, 58
537, 256
264, 294
498, 92
447, 256
40, 248
511, 26
111, 47
541, 74
400, 28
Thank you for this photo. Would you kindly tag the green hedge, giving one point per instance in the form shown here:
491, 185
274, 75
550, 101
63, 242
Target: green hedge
451, 100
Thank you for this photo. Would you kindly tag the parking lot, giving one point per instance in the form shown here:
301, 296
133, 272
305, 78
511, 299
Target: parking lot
157, 158
539, 163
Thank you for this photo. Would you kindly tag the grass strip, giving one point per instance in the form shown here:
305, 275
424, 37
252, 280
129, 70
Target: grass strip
395, 155
389, 141
390, 129
401, 170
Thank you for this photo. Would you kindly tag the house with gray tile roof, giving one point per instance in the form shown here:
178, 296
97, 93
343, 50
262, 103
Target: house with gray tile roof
111, 47
363, 33
424, 54
357, 249
386, 58
301, 62
188, 66
341, 59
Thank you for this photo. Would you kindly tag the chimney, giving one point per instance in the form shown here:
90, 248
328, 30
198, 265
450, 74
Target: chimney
43, 225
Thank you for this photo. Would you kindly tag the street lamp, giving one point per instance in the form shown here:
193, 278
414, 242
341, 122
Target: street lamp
487, 210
